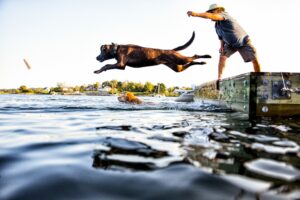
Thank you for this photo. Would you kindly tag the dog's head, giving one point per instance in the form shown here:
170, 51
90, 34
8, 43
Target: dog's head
107, 52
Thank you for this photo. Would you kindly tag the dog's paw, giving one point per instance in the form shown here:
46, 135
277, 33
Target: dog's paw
202, 63
98, 71
206, 56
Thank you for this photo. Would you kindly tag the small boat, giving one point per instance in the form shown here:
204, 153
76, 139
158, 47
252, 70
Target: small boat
186, 96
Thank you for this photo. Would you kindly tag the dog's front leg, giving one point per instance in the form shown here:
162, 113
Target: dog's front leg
121, 64
187, 65
109, 67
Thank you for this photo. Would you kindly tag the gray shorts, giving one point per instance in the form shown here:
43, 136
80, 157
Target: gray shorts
248, 51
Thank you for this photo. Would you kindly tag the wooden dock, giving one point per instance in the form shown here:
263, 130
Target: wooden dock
257, 94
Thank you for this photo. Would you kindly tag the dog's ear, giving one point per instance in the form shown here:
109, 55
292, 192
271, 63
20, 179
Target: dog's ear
114, 47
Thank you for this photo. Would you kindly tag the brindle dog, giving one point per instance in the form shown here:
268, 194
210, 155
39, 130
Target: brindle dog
137, 56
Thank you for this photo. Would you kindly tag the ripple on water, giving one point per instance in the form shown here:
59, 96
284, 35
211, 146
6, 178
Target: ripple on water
120, 152
273, 169
175, 182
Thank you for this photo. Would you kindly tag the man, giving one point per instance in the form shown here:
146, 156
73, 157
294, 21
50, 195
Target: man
232, 36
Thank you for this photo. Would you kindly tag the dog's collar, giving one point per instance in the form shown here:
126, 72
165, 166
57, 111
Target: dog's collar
115, 48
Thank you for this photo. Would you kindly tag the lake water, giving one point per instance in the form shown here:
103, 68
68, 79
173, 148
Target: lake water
91, 147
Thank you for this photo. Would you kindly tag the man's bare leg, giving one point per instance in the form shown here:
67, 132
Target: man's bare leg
222, 63
256, 65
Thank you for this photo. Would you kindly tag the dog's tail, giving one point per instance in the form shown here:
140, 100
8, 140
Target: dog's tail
186, 44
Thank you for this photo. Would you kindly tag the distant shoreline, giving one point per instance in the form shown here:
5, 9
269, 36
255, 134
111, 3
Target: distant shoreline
106, 88
87, 94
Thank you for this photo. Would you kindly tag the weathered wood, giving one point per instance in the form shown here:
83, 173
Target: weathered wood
257, 94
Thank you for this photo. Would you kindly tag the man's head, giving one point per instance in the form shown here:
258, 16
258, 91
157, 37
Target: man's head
215, 8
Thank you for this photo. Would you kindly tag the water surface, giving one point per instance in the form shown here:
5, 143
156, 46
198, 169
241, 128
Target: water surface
83, 147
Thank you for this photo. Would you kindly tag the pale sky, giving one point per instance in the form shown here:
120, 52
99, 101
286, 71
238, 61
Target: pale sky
61, 38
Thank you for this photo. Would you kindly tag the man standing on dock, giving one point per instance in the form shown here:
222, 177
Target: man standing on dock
232, 36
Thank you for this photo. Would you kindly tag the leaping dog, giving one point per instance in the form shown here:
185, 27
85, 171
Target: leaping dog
137, 56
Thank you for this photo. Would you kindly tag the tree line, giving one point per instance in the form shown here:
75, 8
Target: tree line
112, 87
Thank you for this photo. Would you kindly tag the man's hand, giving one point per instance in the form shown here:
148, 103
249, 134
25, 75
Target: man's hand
190, 13
221, 49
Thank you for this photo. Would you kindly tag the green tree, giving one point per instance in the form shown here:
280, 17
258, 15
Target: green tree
125, 86
131, 87
96, 85
56, 89
82, 88
40, 91
139, 87
148, 87
120, 86
23, 89
76, 88
162, 88
171, 89
113, 84
106, 83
